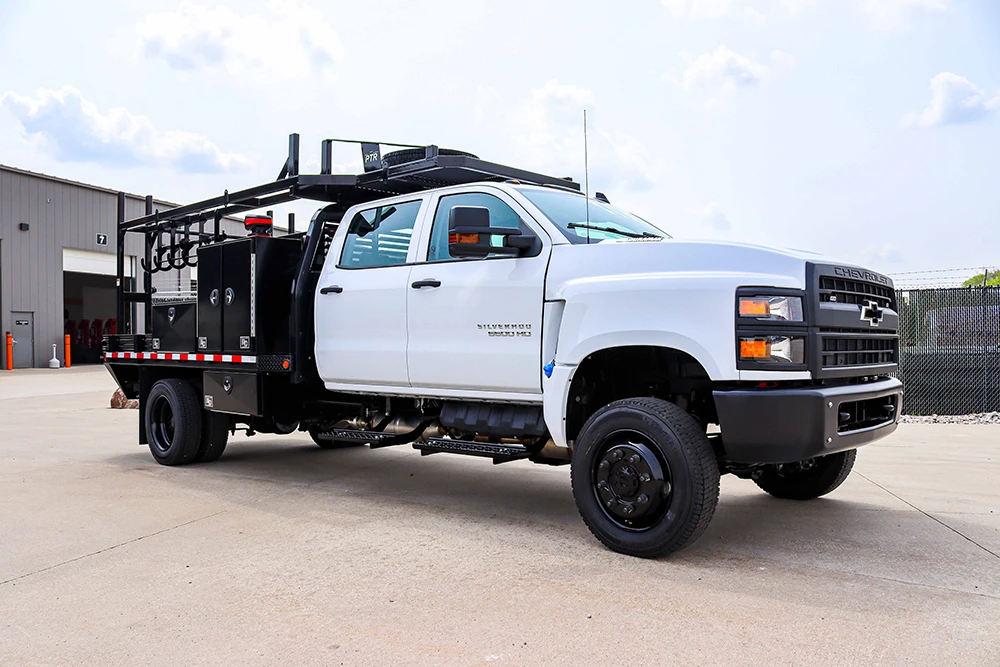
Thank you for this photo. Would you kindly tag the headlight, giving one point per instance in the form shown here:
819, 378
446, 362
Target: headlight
773, 349
772, 308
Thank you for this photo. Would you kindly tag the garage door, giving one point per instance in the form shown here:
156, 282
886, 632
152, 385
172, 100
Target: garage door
99, 263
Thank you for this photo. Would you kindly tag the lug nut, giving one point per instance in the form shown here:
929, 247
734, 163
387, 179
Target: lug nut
644, 477
634, 459
627, 508
642, 499
610, 503
618, 455
602, 484
604, 464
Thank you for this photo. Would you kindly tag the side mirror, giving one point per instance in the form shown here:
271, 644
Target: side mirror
469, 233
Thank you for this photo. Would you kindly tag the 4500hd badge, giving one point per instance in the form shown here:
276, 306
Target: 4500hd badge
506, 330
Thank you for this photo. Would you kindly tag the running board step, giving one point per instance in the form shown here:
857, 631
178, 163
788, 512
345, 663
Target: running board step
373, 439
498, 452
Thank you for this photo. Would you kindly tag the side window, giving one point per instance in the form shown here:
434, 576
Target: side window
380, 236
501, 215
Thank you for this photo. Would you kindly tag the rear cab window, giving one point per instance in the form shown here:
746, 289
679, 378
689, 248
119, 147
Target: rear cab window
380, 236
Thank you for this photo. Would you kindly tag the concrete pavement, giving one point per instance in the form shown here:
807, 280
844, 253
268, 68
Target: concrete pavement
283, 553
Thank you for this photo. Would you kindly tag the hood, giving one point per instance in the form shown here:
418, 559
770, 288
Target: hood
747, 263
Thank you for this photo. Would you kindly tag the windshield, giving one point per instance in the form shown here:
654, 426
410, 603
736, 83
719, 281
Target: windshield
569, 212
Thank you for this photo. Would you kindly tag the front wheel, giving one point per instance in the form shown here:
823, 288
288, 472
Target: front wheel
645, 477
807, 479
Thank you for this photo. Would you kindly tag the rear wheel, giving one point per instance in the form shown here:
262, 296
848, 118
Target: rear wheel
807, 479
645, 477
173, 422
214, 436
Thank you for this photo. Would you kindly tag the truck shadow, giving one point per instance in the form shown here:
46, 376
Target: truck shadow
390, 484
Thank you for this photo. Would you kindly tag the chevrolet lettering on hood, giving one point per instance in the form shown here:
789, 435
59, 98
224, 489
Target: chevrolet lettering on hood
859, 274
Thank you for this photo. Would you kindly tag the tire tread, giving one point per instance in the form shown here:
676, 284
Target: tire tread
696, 448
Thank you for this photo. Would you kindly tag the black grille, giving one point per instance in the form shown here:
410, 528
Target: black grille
857, 351
845, 290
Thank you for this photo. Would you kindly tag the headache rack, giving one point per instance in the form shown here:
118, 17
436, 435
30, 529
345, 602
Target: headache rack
172, 237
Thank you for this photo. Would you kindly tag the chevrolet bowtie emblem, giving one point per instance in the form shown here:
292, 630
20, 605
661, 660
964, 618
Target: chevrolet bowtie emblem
871, 312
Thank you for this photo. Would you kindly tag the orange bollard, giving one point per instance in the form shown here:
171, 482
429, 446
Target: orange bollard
66, 341
10, 352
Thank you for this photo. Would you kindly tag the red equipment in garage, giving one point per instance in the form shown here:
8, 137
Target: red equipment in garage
96, 331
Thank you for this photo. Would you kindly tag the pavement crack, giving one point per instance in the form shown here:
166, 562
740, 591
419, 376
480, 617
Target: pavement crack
932, 517
111, 548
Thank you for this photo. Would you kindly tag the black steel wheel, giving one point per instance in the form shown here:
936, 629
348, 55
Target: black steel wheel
805, 480
173, 422
645, 477
214, 436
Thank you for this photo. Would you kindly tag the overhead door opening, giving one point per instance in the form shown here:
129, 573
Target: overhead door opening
89, 309
89, 300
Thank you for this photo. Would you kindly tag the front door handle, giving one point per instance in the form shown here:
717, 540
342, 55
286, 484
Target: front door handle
336, 289
426, 283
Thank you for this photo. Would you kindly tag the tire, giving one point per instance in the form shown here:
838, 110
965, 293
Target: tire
214, 436
660, 493
808, 479
173, 422
332, 444
414, 154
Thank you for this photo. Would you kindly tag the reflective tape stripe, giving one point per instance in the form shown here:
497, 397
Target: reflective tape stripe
175, 356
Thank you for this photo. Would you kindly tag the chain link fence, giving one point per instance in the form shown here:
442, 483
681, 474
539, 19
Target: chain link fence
949, 350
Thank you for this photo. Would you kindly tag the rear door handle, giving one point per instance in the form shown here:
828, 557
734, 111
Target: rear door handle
426, 283
336, 289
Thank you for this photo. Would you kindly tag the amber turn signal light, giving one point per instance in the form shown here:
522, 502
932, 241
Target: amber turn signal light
755, 349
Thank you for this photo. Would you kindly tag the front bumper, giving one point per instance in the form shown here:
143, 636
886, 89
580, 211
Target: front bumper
787, 425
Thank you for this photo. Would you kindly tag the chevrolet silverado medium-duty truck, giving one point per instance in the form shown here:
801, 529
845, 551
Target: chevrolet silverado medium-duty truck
456, 305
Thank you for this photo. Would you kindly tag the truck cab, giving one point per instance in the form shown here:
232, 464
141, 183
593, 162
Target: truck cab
516, 317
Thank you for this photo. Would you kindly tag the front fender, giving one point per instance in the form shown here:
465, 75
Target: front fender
691, 312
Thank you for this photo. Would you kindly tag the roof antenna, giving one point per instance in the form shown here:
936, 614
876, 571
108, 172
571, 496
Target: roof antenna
586, 174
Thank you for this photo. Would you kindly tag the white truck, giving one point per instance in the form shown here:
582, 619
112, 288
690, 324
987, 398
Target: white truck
456, 305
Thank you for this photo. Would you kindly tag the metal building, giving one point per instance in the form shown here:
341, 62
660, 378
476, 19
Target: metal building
57, 266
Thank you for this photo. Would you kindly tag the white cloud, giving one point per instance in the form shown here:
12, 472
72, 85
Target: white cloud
713, 217
291, 40
896, 13
486, 99
548, 133
783, 59
887, 253
954, 99
75, 130
712, 9
721, 69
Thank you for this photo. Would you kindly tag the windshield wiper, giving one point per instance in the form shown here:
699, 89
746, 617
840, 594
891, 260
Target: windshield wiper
613, 230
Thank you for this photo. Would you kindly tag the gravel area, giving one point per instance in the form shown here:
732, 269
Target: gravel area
980, 418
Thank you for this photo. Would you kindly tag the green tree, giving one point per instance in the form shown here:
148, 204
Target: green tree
992, 279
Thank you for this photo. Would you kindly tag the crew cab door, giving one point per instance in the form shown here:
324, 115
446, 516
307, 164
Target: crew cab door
360, 313
476, 323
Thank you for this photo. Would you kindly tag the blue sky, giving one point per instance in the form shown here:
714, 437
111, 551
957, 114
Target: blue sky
867, 129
